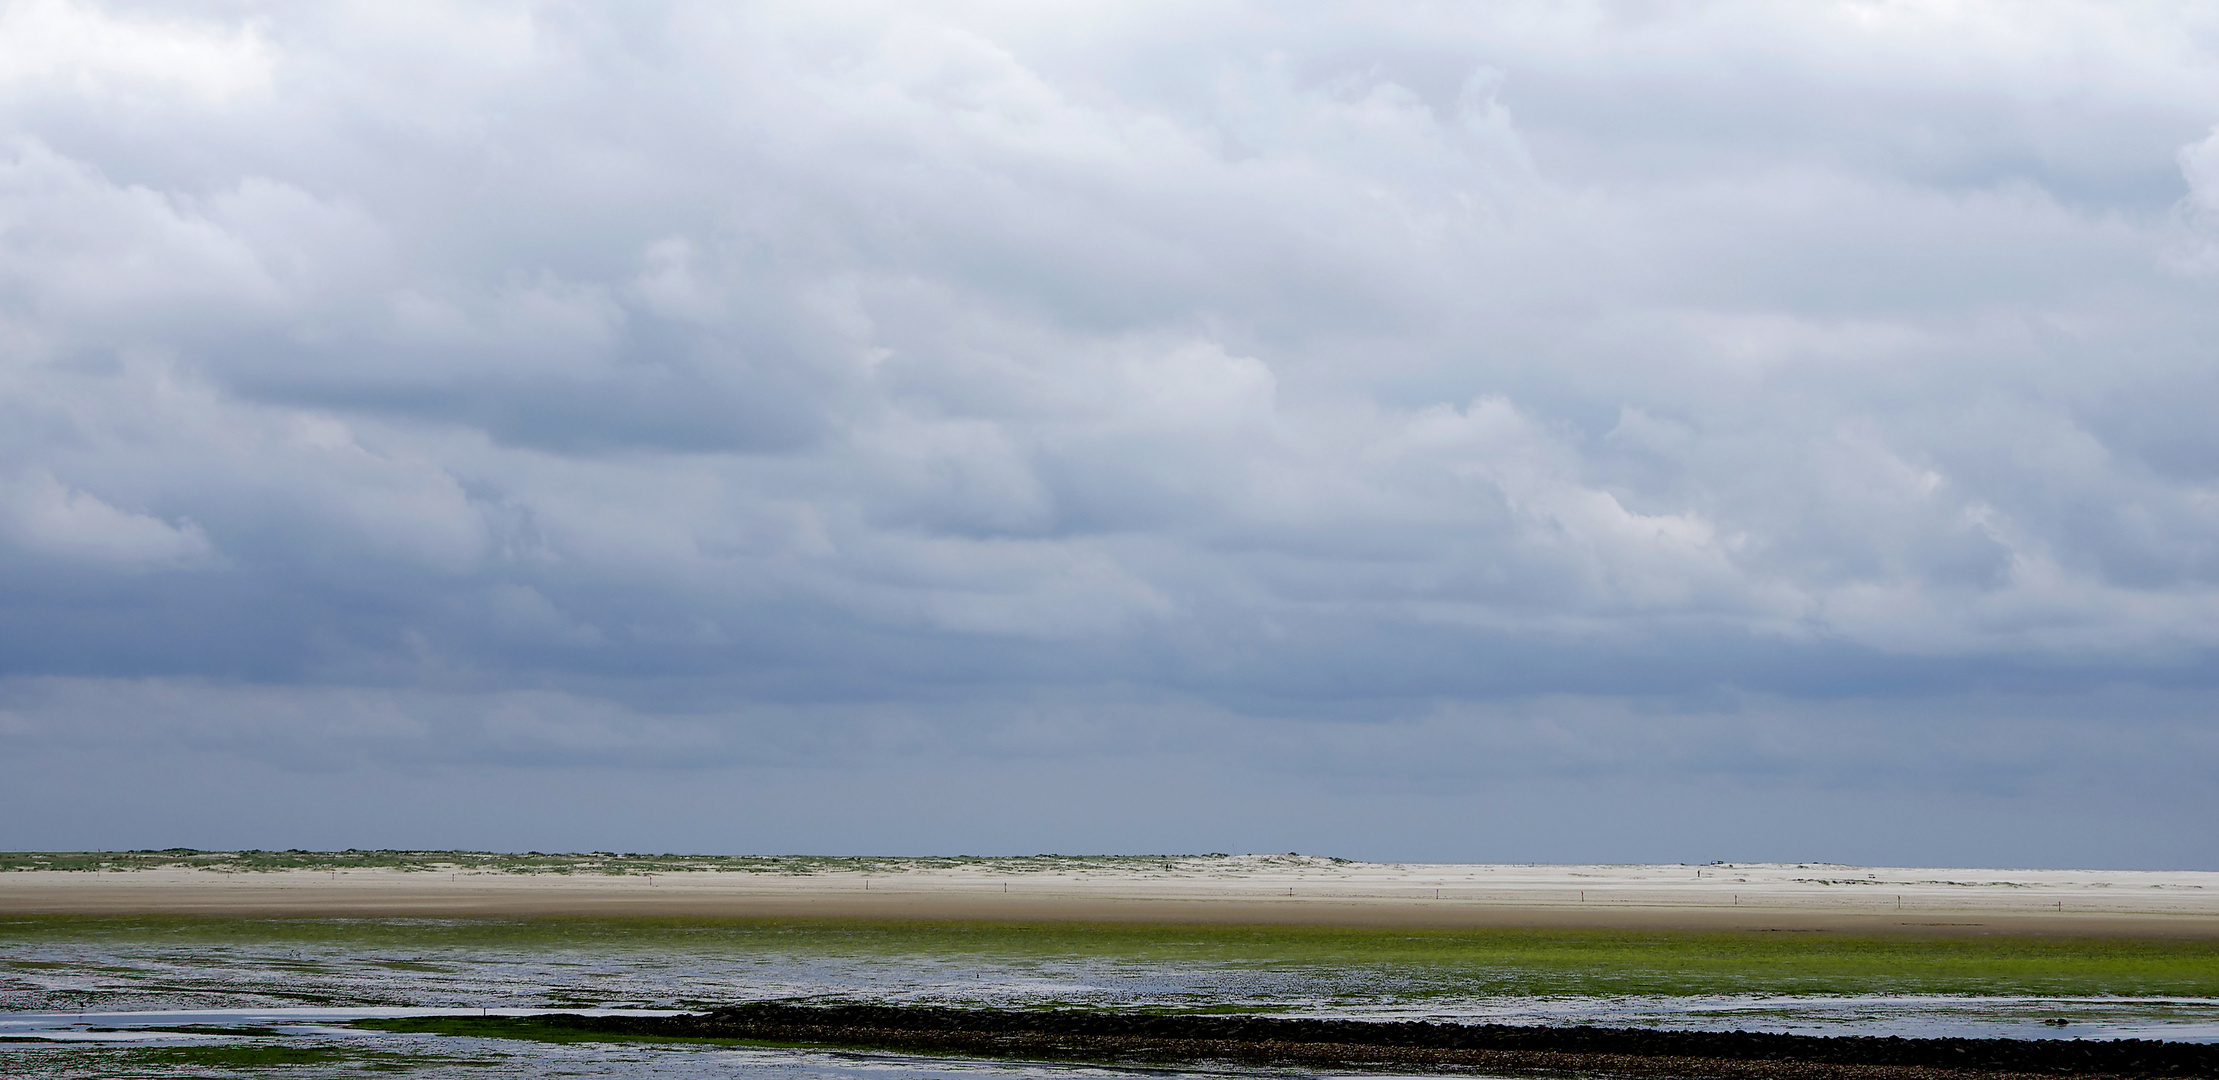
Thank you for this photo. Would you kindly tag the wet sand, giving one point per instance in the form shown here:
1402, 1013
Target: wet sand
1774, 897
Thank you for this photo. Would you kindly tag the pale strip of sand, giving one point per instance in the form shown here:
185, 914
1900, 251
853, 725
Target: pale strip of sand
1279, 890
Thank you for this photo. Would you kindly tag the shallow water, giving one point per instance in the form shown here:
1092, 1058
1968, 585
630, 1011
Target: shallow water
63, 991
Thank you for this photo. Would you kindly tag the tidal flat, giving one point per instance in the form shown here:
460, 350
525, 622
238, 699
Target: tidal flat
186, 996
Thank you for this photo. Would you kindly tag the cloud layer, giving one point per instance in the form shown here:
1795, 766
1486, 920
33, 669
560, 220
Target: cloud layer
1433, 411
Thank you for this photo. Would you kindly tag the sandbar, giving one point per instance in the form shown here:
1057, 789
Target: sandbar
1279, 890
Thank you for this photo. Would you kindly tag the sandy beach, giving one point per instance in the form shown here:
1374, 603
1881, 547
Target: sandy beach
1284, 890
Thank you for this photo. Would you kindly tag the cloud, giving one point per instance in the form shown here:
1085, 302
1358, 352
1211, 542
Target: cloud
55, 45
2199, 210
42, 516
1527, 392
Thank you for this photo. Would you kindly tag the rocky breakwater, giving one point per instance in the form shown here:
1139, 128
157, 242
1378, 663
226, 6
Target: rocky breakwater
1415, 1045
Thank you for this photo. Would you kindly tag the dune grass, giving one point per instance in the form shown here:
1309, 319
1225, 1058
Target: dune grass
597, 862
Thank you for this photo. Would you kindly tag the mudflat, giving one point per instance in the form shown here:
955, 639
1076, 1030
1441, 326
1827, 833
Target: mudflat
1291, 891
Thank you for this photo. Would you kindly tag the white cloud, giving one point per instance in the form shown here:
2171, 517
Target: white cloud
99, 259
2199, 165
55, 45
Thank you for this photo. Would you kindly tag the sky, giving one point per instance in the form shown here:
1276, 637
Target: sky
1526, 431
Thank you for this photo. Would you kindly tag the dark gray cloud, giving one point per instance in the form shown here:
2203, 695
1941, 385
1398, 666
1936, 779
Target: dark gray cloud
1234, 426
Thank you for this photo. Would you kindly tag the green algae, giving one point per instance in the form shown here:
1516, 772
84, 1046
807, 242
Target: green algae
1462, 962
223, 1060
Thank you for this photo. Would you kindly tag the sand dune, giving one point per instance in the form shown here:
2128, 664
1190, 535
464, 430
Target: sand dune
1262, 889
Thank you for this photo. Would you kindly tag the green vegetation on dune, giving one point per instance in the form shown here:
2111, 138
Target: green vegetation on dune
1419, 963
593, 862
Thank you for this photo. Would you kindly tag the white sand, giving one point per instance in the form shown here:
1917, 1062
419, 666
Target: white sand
1277, 889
